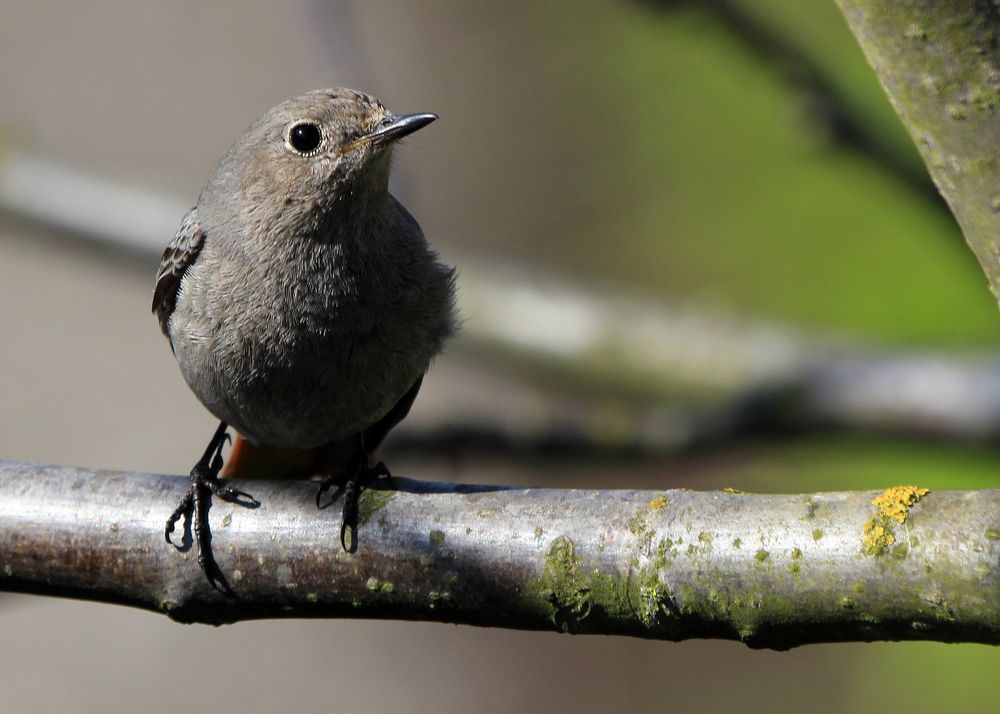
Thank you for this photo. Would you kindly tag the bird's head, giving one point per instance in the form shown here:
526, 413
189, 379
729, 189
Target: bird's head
319, 148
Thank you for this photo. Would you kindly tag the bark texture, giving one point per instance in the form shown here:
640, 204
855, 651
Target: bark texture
771, 570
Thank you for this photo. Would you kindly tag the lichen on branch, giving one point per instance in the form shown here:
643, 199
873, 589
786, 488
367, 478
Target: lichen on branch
892, 506
769, 570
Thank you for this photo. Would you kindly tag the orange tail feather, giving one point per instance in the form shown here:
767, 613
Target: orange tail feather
247, 460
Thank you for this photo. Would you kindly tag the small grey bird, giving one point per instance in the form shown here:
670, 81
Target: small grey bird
302, 301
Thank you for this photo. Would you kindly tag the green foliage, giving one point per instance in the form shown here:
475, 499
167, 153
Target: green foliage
714, 182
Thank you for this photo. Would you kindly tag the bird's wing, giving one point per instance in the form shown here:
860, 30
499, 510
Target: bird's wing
373, 435
177, 258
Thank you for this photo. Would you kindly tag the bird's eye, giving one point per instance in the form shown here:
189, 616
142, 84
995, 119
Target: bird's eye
305, 138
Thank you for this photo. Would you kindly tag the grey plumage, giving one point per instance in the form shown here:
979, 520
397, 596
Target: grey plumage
300, 298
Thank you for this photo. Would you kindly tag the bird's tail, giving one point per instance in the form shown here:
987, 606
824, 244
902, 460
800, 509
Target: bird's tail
253, 461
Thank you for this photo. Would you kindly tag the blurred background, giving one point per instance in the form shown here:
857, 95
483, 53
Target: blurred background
684, 230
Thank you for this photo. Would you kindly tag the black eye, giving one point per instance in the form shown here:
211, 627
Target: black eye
305, 137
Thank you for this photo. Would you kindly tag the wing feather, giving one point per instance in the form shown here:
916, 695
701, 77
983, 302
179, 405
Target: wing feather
177, 258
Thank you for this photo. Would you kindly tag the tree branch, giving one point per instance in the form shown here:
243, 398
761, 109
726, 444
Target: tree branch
939, 62
774, 571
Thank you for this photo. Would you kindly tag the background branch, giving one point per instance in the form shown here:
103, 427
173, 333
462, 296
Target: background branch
939, 62
773, 571
621, 376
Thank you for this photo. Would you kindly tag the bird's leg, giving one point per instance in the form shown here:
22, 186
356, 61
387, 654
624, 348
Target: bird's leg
359, 471
195, 504
352, 497
364, 466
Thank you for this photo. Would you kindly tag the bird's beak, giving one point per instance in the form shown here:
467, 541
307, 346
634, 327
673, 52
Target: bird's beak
393, 128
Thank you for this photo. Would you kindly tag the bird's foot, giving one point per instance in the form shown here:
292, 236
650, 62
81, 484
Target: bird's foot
196, 503
352, 484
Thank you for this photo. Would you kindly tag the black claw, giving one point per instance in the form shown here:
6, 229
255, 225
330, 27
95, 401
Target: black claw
182, 510
196, 503
233, 495
351, 484
352, 497
325, 486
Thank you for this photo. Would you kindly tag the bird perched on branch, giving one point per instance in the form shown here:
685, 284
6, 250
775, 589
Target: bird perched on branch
302, 302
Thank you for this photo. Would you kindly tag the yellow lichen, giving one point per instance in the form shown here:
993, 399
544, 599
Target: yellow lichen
730, 489
877, 538
891, 506
895, 502
658, 503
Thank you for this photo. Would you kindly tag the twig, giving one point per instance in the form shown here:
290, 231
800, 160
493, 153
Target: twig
772, 571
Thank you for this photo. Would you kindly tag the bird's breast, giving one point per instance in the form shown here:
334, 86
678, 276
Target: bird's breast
294, 354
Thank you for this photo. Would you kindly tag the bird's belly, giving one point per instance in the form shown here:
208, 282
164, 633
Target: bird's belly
299, 392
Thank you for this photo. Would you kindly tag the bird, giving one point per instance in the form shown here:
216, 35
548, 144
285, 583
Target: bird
303, 304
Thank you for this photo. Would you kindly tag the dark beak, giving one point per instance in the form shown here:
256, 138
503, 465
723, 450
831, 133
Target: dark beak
394, 128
